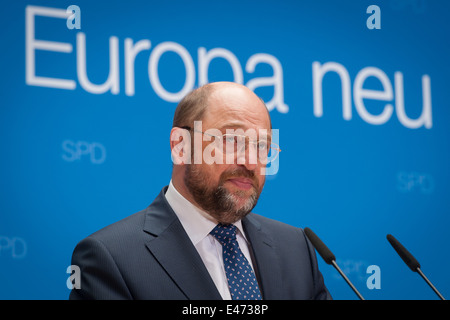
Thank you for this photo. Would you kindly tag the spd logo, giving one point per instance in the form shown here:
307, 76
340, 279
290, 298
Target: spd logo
13, 247
77, 150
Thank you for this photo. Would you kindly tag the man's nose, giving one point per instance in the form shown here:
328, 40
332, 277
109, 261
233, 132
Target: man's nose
247, 157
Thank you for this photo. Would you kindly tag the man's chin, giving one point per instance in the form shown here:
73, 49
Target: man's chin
243, 201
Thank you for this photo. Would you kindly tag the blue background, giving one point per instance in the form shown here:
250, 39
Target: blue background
350, 181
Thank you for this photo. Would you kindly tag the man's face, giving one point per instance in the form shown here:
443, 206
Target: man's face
229, 191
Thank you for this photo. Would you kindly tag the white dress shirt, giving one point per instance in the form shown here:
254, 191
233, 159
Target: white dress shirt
198, 224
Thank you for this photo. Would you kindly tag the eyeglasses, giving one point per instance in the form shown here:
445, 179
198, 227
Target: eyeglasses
236, 143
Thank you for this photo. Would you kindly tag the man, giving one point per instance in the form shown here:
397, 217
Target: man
198, 239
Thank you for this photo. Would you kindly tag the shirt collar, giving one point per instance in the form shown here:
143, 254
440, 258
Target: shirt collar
196, 222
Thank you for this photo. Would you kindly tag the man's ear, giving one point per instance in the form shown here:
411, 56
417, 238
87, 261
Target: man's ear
180, 146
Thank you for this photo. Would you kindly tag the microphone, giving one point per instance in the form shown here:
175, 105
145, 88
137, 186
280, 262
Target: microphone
410, 261
328, 257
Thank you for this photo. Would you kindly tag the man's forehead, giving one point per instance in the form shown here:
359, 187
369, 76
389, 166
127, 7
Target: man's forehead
237, 115
239, 126
235, 106
232, 125
240, 129
223, 122
231, 96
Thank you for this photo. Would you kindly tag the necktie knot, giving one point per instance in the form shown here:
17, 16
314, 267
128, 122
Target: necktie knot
225, 233
240, 276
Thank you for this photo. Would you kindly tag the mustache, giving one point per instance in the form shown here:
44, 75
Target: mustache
239, 172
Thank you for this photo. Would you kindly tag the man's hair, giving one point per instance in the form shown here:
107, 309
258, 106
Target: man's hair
192, 107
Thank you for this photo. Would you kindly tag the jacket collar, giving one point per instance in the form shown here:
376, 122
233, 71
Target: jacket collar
266, 260
173, 249
171, 246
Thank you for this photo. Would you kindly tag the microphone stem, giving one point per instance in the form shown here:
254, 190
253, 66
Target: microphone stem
430, 284
346, 279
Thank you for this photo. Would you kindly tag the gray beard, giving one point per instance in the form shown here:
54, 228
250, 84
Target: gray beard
220, 203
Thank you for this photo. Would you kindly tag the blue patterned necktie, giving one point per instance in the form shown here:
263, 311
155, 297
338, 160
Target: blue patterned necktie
240, 276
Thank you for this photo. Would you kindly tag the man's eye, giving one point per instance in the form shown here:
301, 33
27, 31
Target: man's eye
230, 139
262, 145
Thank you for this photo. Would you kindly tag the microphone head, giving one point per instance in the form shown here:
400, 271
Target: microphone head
407, 257
321, 248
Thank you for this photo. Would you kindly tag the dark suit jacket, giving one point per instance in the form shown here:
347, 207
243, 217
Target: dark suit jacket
148, 255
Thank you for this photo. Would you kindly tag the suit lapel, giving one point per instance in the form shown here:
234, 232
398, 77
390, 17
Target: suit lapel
175, 252
268, 268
